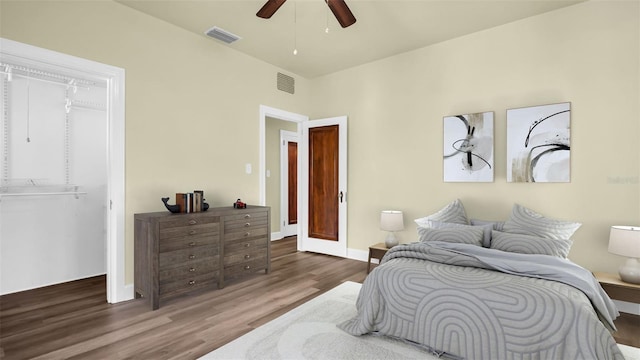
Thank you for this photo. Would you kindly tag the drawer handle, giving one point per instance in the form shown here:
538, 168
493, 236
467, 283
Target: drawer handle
247, 216
247, 224
192, 270
192, 257
192, 282
247, 234
247, 245
192, 232
247, 267
247, 256
193, 222
193, 243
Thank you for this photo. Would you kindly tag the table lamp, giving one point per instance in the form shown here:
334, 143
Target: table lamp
625, 241
391, 221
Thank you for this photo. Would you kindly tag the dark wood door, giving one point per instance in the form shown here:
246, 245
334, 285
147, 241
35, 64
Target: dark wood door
323, 182
292, 154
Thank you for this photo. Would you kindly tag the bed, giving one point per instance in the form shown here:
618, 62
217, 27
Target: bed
459, 299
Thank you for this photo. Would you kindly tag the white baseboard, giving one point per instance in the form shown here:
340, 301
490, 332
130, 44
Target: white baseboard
355, 254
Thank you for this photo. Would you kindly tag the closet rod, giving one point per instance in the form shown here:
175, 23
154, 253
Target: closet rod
24, 71
44, 80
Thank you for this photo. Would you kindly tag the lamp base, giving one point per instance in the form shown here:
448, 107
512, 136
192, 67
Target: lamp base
630, 271
391, 240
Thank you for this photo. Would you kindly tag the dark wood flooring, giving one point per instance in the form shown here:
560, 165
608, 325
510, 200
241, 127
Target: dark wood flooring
73, 320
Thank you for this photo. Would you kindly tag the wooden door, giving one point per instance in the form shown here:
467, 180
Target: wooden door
292, 182
322, 200
323, 182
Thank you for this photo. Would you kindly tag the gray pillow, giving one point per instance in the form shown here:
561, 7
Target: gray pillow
528, 222
452, 213
527, 244
465, 235
486, 229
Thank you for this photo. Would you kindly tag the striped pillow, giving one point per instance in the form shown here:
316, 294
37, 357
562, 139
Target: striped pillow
527, 244
465, 235
452, 213
528, 222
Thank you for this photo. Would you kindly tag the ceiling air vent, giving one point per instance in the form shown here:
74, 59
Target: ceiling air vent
286, 83
222, 35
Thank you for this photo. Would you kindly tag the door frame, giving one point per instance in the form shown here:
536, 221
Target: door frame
285, 138
117, 290
270, 112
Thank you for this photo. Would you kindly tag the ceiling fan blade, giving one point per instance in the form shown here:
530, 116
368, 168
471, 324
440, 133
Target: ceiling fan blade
269, 8
342, 12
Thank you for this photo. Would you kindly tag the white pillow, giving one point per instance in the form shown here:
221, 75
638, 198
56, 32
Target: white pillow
452, 213
464, 234
527, 244
528, 222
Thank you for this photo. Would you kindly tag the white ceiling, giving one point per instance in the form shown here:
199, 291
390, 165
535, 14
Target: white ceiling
383, 28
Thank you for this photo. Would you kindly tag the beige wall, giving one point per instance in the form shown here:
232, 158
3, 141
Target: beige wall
587, 54
179, 85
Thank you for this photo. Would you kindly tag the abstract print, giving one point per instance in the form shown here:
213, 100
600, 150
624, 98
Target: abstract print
538, 144
468, 148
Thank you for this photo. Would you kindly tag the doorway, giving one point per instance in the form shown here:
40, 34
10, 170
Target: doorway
54, 69
305, 242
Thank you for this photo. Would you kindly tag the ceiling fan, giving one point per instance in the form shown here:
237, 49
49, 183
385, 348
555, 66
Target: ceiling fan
338, 7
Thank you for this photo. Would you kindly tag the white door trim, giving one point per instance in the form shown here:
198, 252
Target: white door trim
265, 112
115, 78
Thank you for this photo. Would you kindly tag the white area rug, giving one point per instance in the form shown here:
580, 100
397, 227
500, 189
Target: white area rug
309, 332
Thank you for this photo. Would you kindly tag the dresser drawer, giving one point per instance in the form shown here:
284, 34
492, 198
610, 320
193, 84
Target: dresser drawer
247, 234
194, 230
187, 285
192, 269
247, 216
245, 225
188, 242
235, 270
187, 220
187, 256
246, 245
247, 257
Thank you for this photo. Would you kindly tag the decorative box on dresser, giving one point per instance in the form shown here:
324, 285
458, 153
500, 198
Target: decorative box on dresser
176, 254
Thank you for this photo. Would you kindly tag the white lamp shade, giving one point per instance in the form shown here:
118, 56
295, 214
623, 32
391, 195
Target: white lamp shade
391, 220
625, 241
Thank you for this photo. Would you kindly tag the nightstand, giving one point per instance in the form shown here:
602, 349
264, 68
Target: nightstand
376, 251
618, 289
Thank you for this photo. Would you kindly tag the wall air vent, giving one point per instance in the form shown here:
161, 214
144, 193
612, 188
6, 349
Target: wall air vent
222, 35
286, 83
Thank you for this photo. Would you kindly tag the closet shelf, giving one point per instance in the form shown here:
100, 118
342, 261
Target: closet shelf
40, 190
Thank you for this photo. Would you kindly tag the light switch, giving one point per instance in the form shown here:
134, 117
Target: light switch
268, 173
247, 168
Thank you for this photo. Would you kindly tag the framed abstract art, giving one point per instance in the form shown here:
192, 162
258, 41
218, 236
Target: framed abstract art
538, 143
468, 148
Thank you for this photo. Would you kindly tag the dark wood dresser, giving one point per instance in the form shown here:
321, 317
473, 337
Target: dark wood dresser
175, 254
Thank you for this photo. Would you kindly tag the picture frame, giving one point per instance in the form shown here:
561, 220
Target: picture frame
468, 149
539, 143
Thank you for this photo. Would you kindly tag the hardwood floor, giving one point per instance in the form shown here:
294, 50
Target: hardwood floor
73, 320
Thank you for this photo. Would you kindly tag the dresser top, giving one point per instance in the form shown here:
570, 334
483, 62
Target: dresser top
212, 211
